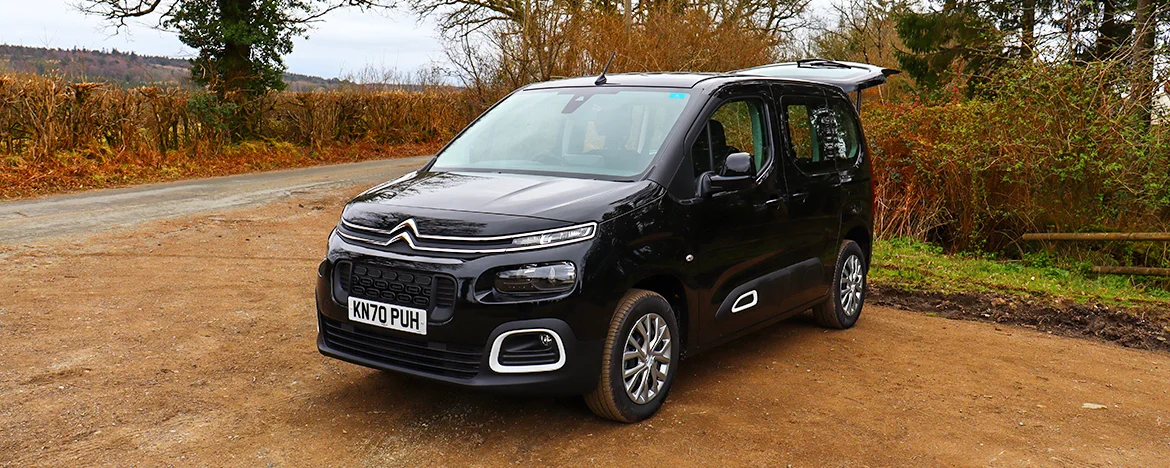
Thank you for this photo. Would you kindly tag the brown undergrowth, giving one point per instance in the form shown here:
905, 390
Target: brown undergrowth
84, 170
59, 136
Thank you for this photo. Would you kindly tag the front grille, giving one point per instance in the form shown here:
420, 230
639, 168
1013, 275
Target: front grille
443, 359
401, 287
445, 291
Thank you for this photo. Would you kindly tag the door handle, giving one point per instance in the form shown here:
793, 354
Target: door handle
798, 197
773, 202
844, 177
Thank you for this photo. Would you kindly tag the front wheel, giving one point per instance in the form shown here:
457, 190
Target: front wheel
639, 361
843, 307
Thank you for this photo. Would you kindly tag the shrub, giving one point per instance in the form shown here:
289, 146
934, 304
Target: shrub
1055, 148
44, 115
56, 135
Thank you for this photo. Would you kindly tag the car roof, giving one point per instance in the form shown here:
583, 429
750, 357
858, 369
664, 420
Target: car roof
848, 76
651, 80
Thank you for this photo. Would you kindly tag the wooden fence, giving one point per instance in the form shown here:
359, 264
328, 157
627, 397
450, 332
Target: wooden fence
1109, 236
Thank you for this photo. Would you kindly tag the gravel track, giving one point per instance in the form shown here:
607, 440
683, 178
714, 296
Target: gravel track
189, 341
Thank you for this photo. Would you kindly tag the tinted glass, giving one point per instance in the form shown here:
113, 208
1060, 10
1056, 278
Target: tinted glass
581, 131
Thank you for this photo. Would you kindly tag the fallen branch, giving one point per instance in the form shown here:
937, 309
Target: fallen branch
1120, 270
1099, 236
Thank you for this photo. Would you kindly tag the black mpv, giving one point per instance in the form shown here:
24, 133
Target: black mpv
583, 235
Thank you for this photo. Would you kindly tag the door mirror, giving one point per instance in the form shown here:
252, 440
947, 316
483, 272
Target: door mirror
739, 172
739, 164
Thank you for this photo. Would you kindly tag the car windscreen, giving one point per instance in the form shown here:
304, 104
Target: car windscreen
604, 132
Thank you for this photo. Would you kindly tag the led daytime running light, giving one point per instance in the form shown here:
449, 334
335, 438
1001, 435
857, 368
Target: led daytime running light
555, 237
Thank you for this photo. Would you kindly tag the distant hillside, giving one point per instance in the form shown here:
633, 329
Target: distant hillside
123, 68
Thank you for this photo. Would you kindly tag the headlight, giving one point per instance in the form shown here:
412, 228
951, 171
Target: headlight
555, 237
529, 279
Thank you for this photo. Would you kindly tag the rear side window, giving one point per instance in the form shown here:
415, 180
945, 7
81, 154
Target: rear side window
800, 134
810, 125
736, 127
821, 134
847, 134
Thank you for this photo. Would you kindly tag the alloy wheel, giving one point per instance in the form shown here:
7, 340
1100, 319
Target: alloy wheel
646, 360
852, 285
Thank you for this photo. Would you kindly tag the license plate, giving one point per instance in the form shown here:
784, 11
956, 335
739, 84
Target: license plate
394, 317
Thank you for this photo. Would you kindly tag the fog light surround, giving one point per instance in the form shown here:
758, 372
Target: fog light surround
536, 279
497, 346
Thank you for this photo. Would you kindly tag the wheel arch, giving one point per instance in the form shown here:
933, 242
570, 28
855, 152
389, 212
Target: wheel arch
861, 235
675, 292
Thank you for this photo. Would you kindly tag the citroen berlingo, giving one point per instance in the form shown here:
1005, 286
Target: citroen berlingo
584, 235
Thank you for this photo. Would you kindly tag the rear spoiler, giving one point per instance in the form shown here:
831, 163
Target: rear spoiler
851, 77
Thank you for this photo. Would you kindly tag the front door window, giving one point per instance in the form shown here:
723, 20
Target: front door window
736, 127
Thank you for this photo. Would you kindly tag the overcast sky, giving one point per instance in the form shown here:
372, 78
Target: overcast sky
347, 41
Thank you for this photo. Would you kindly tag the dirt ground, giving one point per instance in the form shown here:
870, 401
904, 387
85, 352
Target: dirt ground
1145, 328
191, 342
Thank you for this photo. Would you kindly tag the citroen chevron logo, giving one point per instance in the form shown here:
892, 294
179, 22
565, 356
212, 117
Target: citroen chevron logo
403, 231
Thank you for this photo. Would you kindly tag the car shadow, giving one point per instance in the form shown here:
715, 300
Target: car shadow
447, 412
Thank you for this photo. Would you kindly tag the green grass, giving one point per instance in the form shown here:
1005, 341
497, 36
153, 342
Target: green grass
917, 266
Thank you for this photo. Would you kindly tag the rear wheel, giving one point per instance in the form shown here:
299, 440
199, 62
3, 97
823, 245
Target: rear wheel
639, 361
843, 307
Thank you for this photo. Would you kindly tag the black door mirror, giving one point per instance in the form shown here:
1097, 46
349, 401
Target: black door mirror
739, 172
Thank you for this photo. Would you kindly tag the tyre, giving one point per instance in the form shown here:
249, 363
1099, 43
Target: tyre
843, 307
639, 361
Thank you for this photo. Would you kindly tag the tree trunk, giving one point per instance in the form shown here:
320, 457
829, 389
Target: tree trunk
1107, 32
235, 66
1143, 57
629, 11
1028, 30
235, 71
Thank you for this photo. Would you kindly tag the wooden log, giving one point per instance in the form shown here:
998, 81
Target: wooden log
1099, 236
1144, 271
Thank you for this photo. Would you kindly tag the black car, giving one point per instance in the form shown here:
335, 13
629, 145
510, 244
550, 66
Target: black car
583, 235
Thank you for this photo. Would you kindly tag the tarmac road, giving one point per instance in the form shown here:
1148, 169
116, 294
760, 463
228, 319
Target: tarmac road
43, 218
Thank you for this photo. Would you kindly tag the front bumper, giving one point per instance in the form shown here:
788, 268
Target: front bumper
457, 347
439, 362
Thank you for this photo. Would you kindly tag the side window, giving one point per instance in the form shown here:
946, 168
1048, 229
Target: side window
848, 132
737, 126
813, 137
800, 133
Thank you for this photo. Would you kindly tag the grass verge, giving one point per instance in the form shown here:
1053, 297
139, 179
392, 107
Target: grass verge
1032, 293
914, 265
